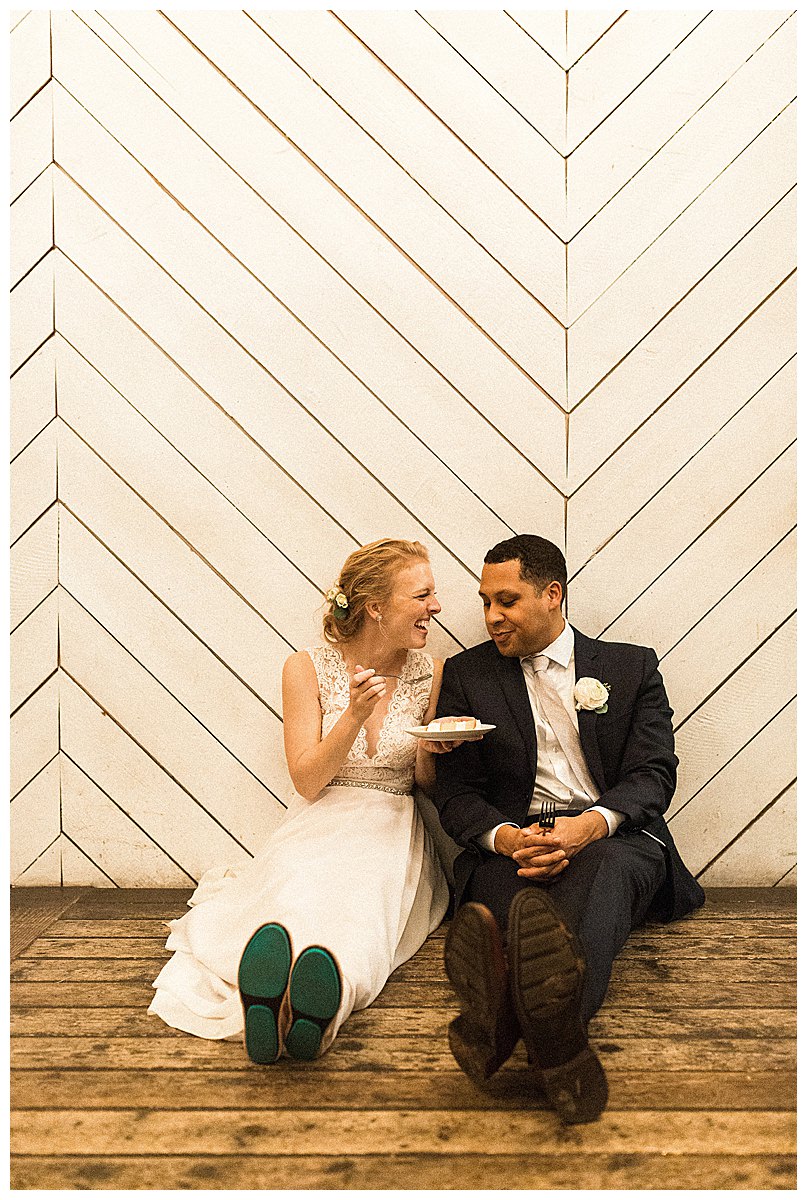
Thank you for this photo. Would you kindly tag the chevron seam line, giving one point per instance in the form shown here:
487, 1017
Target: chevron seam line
31, 441
510, 17
40, 854
128, 816
148, 753
628, 95
599, 39
28, 186
736, 754
33, 354
492, 86
453, 132
42, 683
728, 592
37, 606
452, 217
168, 692
32, 97
22, 18
698, 536
169, 610
789, 871
680, 214
370, 220
768, 637
683, 297
683, 125
30, 527
649, 499
36, 774
88, 857
743, 831
686, 380
319, 255
31, 269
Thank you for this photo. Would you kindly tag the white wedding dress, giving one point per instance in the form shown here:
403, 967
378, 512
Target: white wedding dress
354, 871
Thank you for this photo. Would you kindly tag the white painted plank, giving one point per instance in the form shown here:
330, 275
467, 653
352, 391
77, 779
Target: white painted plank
78, 870
765, 851
30, 58
16, 16
33, 481
496, 48
245, 389
110, 839
688, 504
585, 28
682, 168
31, 141
683, 255
425, 147
34, 650
681, 426
332, 226
335, 313
701, 322
229, 798
749, 613
381, 190
619, 63
175, 656
33, 398
725, 551
165, 563
547, 27
46, 871
670, 97
31, 312
31, 226
34, 566
747, 702
34, 734
483, 121
729, 801
184, 500
34, 820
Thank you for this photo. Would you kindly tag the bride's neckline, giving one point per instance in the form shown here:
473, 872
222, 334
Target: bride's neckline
380, 732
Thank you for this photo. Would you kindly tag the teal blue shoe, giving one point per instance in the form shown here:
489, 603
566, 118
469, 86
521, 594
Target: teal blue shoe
315, 992
263, 974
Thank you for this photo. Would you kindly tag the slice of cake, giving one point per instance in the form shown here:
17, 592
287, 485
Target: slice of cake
452, 724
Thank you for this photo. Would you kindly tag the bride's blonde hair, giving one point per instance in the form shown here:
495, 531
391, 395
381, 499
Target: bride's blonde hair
368, 575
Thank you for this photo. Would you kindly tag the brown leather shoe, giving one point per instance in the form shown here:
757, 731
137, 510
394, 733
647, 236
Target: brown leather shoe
485, 1033
546, 978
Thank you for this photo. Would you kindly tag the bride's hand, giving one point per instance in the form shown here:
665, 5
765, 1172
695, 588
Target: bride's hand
366, 689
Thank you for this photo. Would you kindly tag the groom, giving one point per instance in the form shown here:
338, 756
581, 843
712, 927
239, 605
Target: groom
583, 726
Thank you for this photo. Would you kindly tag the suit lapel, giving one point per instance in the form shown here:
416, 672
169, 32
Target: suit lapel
585, 658
511, 678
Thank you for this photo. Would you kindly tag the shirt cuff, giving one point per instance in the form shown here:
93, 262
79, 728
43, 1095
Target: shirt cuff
613, 819
487, 840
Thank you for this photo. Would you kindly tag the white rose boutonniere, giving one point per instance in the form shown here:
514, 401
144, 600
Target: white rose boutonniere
591, 695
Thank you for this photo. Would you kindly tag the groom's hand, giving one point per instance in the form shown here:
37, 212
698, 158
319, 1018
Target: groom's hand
543, 855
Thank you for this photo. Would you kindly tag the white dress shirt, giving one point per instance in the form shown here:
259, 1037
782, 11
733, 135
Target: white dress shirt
554, 777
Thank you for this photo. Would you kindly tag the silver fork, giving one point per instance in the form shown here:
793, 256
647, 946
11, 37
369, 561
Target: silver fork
546, 817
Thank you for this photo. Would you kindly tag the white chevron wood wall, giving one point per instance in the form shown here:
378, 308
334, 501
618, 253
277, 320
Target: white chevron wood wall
286, 282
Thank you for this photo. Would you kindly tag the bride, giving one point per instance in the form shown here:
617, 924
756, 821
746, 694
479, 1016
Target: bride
349, 885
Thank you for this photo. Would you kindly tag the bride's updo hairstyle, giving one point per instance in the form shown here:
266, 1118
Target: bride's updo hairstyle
368, 575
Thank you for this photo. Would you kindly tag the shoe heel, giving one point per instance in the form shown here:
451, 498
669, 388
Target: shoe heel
260, 1034
263, 974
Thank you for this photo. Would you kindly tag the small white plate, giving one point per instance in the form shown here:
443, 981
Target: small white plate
448, 735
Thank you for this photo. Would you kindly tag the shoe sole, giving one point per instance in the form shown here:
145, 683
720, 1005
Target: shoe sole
477, 969
315, 993
546, 973
263, 974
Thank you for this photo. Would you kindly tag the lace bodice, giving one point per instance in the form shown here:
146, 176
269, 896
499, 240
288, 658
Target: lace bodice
393, 764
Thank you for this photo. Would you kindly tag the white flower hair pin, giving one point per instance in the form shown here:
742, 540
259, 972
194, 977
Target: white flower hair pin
591, 695
338, 601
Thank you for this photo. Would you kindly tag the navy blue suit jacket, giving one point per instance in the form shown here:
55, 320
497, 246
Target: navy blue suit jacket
629, 750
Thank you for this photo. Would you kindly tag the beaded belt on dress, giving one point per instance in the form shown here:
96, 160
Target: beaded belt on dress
377, 787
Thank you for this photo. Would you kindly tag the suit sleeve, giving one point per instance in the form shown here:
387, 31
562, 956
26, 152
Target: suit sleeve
462, 778
647, 772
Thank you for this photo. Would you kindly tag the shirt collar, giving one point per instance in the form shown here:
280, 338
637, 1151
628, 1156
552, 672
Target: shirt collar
561, 650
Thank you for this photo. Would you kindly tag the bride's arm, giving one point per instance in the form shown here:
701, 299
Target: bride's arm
312, 760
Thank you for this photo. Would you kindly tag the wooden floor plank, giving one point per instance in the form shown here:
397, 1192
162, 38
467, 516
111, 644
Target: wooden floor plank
626, 1170
377, 1131
33, 912
278, 1087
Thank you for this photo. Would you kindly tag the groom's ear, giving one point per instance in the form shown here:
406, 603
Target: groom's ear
554, 592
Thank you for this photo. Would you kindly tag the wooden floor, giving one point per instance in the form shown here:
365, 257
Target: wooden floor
697, 1038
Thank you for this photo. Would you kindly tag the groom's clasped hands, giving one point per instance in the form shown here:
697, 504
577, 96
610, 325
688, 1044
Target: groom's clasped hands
543, 854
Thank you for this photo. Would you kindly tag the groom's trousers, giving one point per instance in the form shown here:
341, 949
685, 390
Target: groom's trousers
602, 895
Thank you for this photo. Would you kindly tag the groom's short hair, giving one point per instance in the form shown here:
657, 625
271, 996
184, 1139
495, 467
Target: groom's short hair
540, 561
